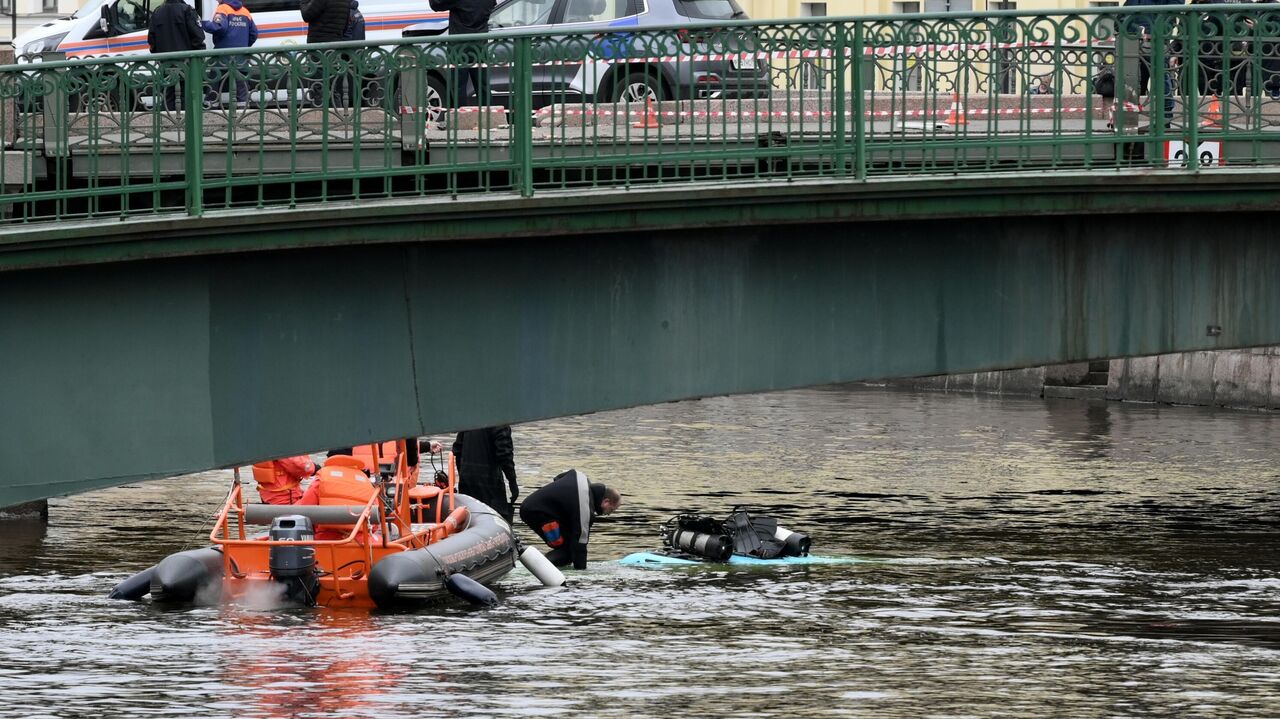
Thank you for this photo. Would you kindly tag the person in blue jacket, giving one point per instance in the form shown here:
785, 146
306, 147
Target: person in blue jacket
232, 25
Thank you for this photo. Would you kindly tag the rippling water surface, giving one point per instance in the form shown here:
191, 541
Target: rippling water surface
1022, 558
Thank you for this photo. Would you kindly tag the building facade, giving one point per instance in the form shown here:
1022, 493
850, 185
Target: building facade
32, 13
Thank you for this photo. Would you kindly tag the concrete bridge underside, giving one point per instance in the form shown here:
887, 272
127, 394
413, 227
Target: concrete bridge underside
206, 343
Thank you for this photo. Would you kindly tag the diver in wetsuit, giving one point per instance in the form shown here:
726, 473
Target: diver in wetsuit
561, 514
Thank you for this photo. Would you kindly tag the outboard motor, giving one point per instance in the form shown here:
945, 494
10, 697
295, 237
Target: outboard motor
294, 567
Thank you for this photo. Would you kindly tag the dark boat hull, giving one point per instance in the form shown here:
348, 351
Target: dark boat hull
190, 577
485, 552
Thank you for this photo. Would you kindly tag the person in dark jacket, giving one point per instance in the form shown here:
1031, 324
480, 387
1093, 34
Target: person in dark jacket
561, 514
174, 27
232, 26
355, 23
327, 21
484, 456
467, 17
1141, 27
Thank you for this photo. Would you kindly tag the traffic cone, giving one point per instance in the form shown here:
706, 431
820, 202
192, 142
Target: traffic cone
648, 119
956, 115
1213, 115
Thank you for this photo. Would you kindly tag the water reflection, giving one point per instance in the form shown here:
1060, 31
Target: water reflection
1101, 559
1082, 429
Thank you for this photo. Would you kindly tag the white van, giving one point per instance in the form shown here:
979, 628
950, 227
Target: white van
119, 27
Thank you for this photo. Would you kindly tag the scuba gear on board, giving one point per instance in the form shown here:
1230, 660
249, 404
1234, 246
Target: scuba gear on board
741, 535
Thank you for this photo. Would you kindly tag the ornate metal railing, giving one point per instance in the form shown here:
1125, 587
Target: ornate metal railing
850, 98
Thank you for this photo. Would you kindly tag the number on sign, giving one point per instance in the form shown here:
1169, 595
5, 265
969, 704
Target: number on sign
1208, 154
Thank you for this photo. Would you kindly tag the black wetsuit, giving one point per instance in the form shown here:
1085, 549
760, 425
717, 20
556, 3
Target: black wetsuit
484, 456
561, 513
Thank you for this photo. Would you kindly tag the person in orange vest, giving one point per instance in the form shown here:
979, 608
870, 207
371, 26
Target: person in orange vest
232, 26
280, 480
343, 480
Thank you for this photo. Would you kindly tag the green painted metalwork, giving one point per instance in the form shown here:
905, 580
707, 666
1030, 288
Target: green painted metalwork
160, 366
851, 98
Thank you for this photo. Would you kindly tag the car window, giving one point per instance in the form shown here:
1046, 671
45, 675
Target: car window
134, 15
522, 12
710, 9
596, 10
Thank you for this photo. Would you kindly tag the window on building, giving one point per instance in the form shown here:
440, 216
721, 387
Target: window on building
906, 7
50, 6
6, 7
1104, 3
813, 9
1002, 5
948, 5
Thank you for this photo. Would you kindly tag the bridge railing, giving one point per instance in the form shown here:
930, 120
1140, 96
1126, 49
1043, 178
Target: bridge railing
853, 98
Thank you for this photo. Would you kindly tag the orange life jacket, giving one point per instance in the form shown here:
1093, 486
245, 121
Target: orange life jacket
271, 477
386, 454
343, 486
225, 9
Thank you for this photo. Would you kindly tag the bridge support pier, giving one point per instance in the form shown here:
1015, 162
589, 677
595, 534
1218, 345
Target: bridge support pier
27, 511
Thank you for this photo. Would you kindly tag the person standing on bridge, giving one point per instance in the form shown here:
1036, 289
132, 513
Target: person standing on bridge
1142, 27
561, 514
483, 457
232, 26
327, 21
467, 17
280, 480
174, 27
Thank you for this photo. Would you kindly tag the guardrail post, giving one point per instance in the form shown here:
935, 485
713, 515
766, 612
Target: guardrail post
193, 140
56, 105
1192, 66
860, 119
522, 115
839, 105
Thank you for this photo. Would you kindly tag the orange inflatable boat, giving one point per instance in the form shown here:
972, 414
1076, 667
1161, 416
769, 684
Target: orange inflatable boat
409, 544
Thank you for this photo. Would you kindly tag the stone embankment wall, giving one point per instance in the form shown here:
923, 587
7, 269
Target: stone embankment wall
1229, 378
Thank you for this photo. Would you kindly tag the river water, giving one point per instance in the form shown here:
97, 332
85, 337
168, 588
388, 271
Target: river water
1022, 558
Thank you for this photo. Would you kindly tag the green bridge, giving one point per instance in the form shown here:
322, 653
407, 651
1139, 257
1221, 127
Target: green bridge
190, 284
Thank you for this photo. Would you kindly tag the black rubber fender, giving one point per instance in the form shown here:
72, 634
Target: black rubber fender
468, 589
135, 587
179, 578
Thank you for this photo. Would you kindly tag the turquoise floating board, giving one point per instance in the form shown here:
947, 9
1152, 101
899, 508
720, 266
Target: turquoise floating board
652, 559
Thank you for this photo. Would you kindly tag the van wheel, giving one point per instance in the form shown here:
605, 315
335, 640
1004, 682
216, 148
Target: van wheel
434, 100
637, 86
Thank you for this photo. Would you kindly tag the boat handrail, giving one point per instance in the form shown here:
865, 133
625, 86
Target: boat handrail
317, 513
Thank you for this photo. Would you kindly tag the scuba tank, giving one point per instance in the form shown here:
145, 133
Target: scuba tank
794, 544
698, 536
705, 537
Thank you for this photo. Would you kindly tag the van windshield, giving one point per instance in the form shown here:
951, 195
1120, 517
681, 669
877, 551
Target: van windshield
90, 8
710, 9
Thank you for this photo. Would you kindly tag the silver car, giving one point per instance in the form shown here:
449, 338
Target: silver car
621, 66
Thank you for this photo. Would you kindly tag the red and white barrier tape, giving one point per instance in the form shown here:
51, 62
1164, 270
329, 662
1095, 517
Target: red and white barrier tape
803, 114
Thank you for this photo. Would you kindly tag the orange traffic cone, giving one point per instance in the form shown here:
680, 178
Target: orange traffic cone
956, 115
648, 119
1213, 115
